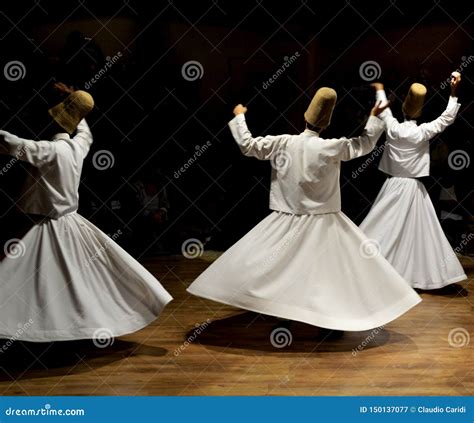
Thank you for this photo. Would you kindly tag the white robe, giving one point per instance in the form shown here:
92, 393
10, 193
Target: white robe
66, 279
402, 219
407, 150
307, 261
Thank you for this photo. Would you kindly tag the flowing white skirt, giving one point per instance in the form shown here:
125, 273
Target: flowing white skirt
403, 222
316, 269
66, 279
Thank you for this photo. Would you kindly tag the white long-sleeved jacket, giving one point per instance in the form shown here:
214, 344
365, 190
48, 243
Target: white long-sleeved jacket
407, 152
51, 189
305, 167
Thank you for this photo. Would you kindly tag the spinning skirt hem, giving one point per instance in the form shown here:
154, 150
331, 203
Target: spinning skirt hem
317, 269
313, 318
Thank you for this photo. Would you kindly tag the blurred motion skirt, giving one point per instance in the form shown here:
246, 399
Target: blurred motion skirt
403, 222
318, 269
66, 279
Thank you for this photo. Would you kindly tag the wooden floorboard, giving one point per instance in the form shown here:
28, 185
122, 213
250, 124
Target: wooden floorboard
233, 354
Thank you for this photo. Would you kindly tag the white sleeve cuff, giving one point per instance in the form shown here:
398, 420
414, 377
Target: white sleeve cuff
452, 100
381, 96
239, 118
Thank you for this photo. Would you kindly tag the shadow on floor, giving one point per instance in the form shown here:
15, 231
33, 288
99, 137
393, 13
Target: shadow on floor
256, 332
29, 360
453, 290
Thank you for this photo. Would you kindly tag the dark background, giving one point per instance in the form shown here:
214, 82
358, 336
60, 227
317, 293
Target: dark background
152, 120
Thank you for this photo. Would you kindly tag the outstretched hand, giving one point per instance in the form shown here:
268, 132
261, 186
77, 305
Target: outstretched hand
377, 109
239, 109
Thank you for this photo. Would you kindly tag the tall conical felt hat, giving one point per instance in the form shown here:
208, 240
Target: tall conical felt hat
320, 109
413, 104
72, 110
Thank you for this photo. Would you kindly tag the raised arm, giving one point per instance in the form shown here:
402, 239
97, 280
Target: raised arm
350, 148
83, 136
390, 122
37, 153
263, 148
430, 129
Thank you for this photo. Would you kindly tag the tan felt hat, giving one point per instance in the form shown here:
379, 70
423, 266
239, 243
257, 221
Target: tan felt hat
320, 109
72, 110
413, 104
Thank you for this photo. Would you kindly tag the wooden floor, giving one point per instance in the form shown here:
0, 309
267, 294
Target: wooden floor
234, 356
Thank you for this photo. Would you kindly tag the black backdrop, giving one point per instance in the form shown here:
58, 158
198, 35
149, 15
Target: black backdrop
151, 117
